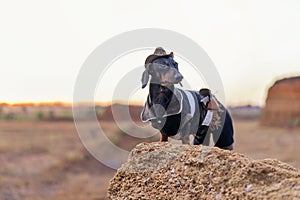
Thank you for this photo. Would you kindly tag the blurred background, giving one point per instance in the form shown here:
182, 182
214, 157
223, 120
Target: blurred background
254, 45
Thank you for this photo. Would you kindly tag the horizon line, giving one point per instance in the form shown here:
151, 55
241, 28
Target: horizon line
97, 103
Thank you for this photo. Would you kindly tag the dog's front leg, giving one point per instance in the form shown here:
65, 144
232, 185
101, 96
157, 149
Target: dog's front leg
185, 135
163, 137
185, 139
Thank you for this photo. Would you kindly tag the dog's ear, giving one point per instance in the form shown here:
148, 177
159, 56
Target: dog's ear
172, 54
145, 77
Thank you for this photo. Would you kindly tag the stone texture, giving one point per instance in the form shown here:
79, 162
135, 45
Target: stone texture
176, 171
283, 103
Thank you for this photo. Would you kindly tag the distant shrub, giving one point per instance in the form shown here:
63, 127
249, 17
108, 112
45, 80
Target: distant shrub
24, 110
1, 112
66, 115
99, 110
51, 115
39, 115
293, 122
74, 156
10, 116
297, 121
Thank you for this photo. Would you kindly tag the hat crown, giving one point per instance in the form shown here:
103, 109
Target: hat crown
159, 51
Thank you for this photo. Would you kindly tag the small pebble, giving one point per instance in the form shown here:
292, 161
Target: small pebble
248, 187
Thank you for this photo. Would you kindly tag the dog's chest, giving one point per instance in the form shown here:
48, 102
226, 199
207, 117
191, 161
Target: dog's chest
169, 125
151, 108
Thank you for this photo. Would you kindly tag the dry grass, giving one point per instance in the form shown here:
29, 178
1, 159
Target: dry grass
44, 160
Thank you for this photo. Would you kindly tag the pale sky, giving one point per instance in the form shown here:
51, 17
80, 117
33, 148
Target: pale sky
44, 43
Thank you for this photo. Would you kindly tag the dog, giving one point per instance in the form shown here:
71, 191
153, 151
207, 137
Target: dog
180, 113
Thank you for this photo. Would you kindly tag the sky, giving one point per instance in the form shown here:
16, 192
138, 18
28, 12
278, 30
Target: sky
43, 44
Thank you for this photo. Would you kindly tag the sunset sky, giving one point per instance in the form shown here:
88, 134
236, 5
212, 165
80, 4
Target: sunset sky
43, 44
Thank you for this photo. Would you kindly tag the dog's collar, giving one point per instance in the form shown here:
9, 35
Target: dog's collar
175, 107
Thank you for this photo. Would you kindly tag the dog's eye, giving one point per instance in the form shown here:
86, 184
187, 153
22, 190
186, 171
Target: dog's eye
176, 65
163, 66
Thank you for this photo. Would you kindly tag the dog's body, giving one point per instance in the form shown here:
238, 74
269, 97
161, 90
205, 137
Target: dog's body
176, 113
179, 113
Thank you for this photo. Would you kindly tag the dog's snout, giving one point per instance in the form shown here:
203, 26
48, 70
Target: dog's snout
178, 77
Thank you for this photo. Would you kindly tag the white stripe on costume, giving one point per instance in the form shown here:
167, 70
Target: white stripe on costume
208, 118
191, 102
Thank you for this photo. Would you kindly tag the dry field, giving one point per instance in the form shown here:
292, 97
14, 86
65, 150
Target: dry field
261, 142
46, 160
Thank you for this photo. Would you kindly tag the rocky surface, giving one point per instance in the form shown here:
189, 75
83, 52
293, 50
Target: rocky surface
283, 103
176, 171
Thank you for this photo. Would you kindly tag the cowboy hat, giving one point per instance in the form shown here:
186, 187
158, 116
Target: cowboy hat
158, 53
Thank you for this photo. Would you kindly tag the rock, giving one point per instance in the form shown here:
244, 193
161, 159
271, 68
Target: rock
283, 103
176, 171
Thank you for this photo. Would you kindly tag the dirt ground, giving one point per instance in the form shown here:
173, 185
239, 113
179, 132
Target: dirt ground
260, 142
46, 160
200, 172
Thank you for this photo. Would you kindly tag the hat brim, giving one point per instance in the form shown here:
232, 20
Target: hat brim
153, 57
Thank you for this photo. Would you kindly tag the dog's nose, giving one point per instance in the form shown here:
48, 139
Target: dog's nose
178, 77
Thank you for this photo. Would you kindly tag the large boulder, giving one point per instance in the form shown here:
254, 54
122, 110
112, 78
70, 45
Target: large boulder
176, 171
283, 103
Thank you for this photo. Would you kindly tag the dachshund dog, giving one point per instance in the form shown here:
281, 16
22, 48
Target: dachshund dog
180, 113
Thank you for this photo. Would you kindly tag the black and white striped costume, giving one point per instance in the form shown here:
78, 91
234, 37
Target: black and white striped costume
187, 104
